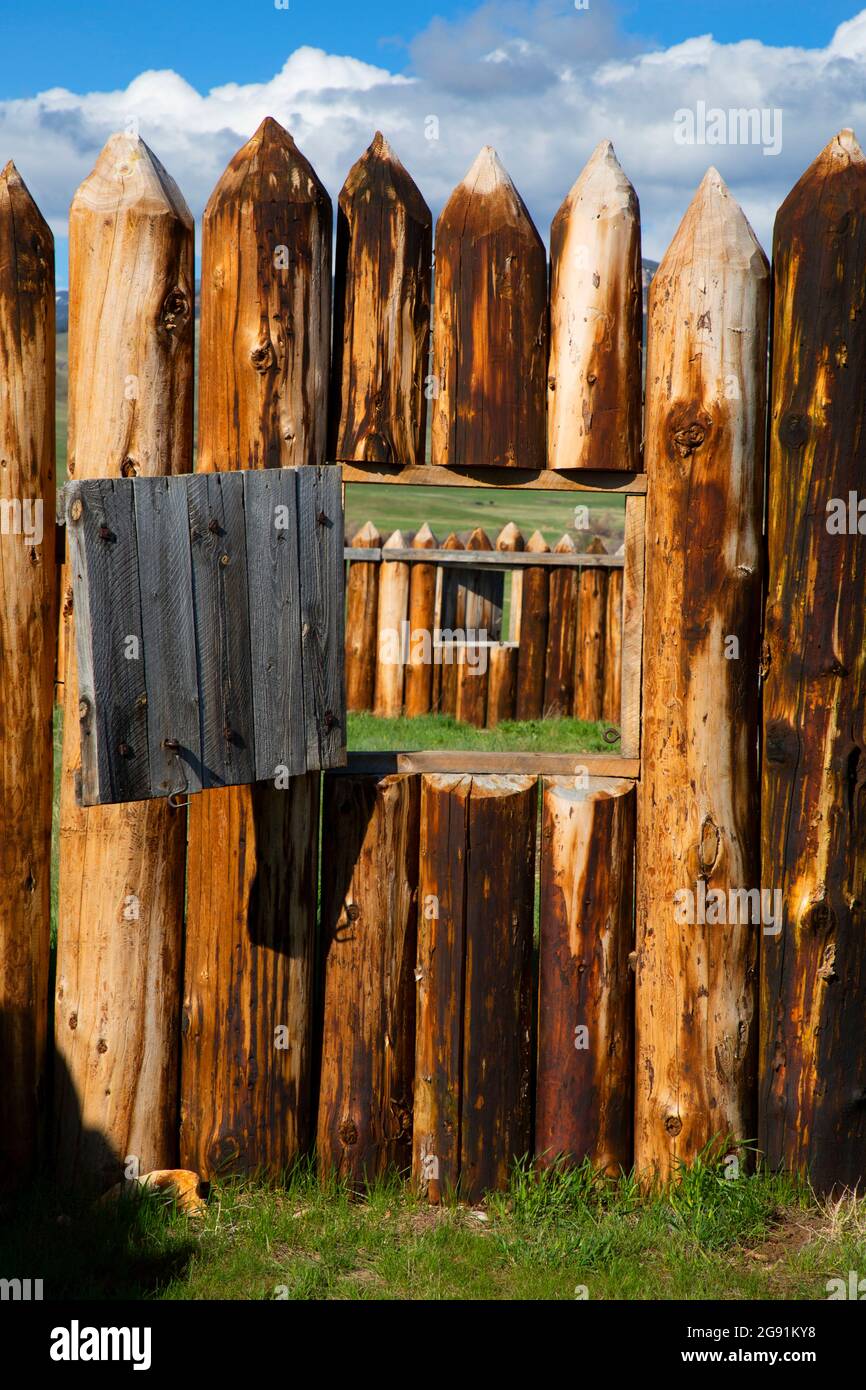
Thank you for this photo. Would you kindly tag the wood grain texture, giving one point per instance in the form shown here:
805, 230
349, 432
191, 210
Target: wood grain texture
362, 608
497, 1017
120, 914
28, 627
585, 1078
490, 325
558, 698
418, 687
612, 697
265, 309
502, 682
449, 618
320, 513
378, 408
633, 593
369, 906
813, 971
479, 600
698, 795
264, 372
590, 638
594, 372
439, 976
393, 613
247, 1007
533, 634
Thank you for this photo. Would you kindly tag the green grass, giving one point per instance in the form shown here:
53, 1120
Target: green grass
547, 1237
371, 733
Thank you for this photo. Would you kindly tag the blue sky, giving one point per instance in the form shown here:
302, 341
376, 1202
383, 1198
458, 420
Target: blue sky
541, 81
94, 43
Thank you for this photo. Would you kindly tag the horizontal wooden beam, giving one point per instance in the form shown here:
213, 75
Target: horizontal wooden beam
536, 479
482, 559
468, 761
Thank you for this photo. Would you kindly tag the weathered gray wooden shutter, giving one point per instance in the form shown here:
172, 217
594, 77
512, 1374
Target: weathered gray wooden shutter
209, 629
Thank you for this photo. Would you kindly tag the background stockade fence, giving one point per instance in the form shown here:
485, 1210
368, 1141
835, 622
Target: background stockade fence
416, 1026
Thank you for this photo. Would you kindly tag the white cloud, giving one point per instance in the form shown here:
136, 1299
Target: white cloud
541, 81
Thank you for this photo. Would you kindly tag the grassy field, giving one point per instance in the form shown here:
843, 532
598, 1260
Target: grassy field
562, 1236
370, 733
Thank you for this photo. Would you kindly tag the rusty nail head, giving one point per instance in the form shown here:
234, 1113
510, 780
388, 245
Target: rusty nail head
322, 519
224, 559
353, 912
213, 526
104, 533
76, 509
171, 743
123, 749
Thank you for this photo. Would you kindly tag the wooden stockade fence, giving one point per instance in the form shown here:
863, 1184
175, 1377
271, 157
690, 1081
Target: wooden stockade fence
198, 1016
419, 609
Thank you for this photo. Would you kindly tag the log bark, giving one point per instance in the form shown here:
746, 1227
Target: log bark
490, 326
592, 589
362, 607
502, 684
266, 292
611, 701
697, 799
813, 970
497, 1017
393, 613
369, 905
561, 637
532, 634
594, 374
439, 977
28, 628
266, 331
120, 910
381, 313
476, 602
422, 617
585, 1081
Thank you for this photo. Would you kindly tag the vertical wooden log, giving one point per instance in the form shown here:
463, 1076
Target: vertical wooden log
381, 313
439, 976
497, 1022
561, 636
266, 309
490, 325
369, 904
610, 705
585, 1083
422, 618
246, 1075
590, 641
390, 636
594, 375
478, 607
697, 799
28, 629
813, 992
532, 634
511, 538
449, 615
362, 607
502, 683
633, 597
120, 911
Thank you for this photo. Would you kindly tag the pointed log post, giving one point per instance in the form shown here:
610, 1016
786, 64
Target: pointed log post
813, 973
590, 642
378, 408
28, 628
251, 916
369, 907
362, 606
561, 636
120, 911
585, 1085
594, 374
422, 610
478, 607
490, 325
390, 639
511, 538
532, 634
612, 698
449, 617
697, 798
266, 280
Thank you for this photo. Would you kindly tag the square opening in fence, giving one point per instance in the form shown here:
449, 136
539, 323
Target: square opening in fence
484, 618
209, 629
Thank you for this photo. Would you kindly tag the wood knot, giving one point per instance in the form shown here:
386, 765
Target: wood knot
353, 912
175, 311
793, 429
129, 468
709, 846
263, 357
102, 1046
673, 1125
688, 437
348, 1132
